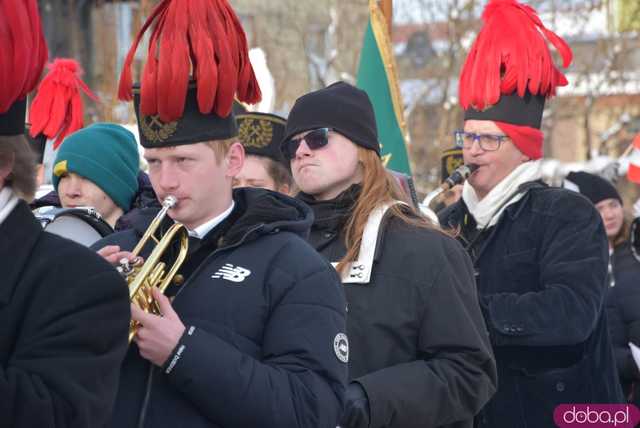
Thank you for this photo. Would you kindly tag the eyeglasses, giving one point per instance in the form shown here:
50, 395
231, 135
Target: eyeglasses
315, 139
487, 142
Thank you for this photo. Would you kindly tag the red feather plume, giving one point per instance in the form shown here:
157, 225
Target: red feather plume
57, 109
511, 55
199, 39
24, 50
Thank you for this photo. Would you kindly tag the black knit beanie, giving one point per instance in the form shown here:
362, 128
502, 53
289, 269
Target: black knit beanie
340, 106
594, 187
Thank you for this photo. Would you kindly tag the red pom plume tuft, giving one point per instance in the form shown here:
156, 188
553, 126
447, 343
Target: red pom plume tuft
199, 38
24, 50
57, 109
511, 54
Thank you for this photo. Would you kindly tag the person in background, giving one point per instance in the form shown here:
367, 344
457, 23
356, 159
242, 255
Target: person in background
420, 354
97, 167
264, 166
623, 294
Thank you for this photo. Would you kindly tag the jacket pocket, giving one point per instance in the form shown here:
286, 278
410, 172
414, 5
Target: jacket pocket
541, 392
523, 267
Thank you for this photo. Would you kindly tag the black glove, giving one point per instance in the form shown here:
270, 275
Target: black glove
356, 408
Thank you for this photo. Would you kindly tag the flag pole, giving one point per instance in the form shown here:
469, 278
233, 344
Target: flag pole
628, 150
387, 9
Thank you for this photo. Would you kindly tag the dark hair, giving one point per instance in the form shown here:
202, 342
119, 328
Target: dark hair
22, 177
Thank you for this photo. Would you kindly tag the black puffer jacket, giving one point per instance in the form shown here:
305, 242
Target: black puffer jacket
64, 315
264, 315
419, 345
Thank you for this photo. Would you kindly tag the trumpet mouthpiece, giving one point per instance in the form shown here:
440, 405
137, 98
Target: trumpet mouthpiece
170, 201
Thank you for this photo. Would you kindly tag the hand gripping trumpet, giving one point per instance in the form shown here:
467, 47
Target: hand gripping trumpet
141, 277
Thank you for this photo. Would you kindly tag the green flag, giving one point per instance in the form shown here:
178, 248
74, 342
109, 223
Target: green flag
377, 76
628, 15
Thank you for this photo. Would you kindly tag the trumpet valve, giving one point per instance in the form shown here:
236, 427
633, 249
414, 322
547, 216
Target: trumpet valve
125, 267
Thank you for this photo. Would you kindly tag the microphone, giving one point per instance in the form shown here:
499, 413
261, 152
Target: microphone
458, 176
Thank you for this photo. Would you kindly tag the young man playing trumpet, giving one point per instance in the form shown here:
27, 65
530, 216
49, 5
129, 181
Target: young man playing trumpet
253, 332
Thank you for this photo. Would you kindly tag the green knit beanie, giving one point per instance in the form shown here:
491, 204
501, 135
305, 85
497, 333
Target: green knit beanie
107, 155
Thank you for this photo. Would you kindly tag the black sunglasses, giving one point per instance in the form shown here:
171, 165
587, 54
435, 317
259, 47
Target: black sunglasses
315, 139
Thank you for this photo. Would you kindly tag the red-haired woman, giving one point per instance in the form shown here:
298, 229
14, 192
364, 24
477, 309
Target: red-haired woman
418, 348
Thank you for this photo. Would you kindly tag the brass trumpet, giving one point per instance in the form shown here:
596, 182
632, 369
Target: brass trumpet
142, 276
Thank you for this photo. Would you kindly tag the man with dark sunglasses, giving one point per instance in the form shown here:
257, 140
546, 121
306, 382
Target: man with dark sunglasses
315, 140
539, 253
421, 356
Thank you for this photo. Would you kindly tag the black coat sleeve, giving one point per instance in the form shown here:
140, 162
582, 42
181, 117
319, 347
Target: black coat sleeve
298, 382
456, 375
63, 370
619, 335
573, 257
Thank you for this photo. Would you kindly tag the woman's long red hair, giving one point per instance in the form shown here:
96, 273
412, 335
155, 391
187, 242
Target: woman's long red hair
378, 187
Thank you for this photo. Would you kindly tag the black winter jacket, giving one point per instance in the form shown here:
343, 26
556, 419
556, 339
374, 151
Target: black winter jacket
64, 316
263, 313
623, 311
541, 282
419, 345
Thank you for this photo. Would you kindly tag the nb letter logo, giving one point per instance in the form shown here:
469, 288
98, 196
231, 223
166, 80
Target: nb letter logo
231, 273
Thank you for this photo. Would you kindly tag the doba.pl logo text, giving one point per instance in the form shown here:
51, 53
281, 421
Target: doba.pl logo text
596, 415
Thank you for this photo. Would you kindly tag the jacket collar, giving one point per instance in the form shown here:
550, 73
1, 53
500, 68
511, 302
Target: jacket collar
454, 214
359, 271
332, 215
514, 211
19, 234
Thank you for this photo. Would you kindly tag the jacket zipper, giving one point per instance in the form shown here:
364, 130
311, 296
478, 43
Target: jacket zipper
147, 395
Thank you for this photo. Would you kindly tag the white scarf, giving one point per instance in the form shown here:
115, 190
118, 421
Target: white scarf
488, 210
8, 200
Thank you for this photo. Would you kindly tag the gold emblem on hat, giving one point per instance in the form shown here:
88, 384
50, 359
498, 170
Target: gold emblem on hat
255, 132
453, 162
155, 130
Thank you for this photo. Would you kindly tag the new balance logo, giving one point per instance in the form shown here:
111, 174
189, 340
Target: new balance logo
231, 273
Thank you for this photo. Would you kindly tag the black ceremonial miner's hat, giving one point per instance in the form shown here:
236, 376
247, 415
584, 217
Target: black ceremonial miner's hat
451, 159
23, 56
261, 133
196, 64
192, 127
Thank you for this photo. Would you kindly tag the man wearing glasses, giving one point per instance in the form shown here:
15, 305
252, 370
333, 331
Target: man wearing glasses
540, 253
